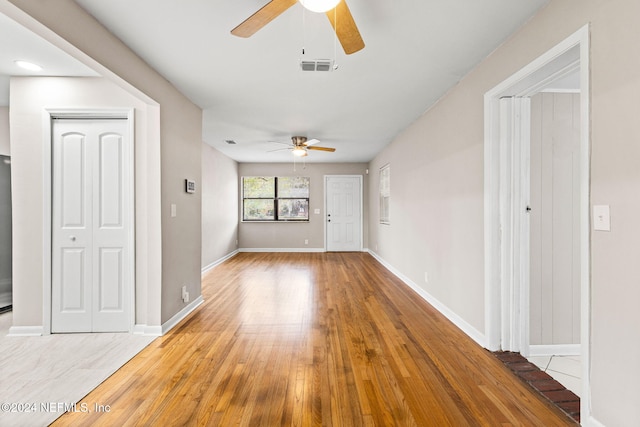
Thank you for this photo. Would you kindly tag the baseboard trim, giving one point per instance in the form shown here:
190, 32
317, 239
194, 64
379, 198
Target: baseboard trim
458, 321
25, 331
555, 350
282, 250
589, 421
179, 316
216, 263
141, 329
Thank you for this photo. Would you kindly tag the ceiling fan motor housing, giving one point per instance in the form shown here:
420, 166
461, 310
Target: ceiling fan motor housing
299, 141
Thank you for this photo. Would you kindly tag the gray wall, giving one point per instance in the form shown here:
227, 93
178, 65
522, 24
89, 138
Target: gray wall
5, 231
437, 191
4, 132
292, 235
5, 205
219, 205
555, 219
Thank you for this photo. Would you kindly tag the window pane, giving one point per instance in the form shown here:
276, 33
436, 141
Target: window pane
259, 187
293, 186
291, 209
258, 209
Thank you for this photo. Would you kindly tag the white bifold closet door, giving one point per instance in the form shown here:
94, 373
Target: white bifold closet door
91, 262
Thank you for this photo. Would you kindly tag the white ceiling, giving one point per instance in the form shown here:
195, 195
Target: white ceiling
21, 44
252, 90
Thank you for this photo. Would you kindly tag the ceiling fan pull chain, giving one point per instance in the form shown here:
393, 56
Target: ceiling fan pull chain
335, 39
304, 26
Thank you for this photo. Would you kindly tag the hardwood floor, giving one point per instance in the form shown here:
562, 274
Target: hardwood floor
305, 339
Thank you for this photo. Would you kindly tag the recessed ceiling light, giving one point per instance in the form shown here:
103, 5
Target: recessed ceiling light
28, 65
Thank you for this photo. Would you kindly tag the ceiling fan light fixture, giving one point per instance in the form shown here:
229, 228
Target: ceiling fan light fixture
299, 152
319, 6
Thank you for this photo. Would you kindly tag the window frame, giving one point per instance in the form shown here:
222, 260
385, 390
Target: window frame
276, 199
385, 194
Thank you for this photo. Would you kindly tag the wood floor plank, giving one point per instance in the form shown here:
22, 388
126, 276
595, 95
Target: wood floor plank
314, 339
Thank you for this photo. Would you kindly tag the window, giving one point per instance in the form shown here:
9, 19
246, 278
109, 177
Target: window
268, 198
385, 193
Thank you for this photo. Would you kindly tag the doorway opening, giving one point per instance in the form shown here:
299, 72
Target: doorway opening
508, 208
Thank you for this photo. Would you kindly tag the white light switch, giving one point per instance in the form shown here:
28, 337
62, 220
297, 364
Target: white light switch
174, 210
601, 218
316, 211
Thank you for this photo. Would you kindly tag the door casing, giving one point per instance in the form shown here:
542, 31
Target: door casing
504, 295
48, 116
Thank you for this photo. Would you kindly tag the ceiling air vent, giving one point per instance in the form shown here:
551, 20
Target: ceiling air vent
317, 65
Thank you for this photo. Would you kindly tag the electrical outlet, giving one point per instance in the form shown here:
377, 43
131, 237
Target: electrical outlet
426, 277
185, 294
306, 241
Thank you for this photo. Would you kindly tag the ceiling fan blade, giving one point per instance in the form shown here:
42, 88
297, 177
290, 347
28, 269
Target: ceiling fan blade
311, 142
314, 147
346, 28
262, 17
288, 144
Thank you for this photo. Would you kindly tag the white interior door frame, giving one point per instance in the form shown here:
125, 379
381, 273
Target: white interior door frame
506, 315
49, 115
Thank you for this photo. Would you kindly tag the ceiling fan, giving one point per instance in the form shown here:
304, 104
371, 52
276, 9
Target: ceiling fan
301, 144
336, 10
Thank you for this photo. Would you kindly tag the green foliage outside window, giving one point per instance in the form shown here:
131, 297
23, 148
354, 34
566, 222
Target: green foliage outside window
275, 198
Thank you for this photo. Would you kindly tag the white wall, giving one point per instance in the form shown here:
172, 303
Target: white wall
292, 235
437, 191
29, 97
172, 255
219, 205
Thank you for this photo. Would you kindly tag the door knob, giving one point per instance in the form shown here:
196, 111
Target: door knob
72, 238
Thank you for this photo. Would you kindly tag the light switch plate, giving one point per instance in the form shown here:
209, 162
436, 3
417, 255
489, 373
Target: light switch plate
601, 218
316, 211
174, 210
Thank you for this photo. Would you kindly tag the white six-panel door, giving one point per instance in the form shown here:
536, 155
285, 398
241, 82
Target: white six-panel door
344, 213
90, 226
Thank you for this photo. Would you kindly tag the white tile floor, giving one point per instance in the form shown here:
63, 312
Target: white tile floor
566, 370
43, 374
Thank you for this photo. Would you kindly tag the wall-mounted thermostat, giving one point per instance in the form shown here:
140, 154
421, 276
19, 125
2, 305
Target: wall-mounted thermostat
190, 186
